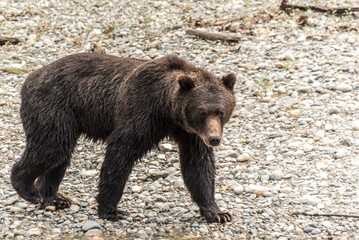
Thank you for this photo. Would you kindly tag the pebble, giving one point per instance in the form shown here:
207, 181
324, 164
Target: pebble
276, 175
307, 147
243, 157
334, 110
295, 113
355, 125
93, 232
90, 225
279, 65
257, 189
344, 88
33, 232
166, 147
75, 208
11, 200
136, 189
50, 208
17, 210
238, 189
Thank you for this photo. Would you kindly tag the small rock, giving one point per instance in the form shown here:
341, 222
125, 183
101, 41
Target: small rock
307, 147
75, 208
328, 127
166, 147
50, 208
56, 230
238, 189
157, 174
89, 173
282, 89
307, 89
33, 232
276, 175
279, 65
264, 177
295, 113
16, 210
326, 224
90, 225
334, 110
308, 229
320, 165
344, 88
317, 138
307, 199
160, 198
355, 125
93, 232
257, 189
136, 189
203, 229
232, 154
243, 157
262, 65
11, 200
341, 153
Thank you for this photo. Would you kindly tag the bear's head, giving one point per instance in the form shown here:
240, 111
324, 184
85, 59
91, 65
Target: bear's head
207, 104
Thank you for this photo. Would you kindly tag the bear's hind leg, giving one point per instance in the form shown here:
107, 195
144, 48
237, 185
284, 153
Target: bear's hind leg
46, 156
23, 175
48, 185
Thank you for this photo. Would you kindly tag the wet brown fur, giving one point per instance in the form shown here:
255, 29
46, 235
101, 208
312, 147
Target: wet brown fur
131, 105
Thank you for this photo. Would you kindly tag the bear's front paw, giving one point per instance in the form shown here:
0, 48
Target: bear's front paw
217, 216
115, 215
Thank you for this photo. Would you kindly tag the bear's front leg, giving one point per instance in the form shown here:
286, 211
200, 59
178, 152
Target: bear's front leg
198, 170
121, 154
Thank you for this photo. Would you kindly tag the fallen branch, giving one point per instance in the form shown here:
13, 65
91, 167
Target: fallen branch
212, 36
285, 6
326, 214
4, 40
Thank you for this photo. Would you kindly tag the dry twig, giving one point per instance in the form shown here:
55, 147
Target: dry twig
327, 214
286, 7
212, 36
4, 40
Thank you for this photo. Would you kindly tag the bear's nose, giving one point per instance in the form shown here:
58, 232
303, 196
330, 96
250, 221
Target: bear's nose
214, 140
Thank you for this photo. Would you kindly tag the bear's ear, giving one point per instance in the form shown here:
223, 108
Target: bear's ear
229, 80
186, 83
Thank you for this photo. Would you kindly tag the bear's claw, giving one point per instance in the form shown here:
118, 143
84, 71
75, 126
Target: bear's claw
220, 217
59, 201
223, 217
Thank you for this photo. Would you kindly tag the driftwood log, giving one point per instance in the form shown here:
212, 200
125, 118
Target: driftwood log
286, 7
213, 36
4, 40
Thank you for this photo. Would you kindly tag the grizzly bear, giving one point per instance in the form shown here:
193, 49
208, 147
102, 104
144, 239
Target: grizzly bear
131, 105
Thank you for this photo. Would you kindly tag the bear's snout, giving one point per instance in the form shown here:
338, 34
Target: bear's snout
212, 134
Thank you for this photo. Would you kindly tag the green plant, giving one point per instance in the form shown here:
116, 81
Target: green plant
264, 85
16, 70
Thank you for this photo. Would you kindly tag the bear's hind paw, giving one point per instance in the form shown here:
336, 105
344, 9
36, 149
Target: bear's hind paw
115, 216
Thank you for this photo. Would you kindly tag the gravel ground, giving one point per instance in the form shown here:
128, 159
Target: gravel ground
292, 144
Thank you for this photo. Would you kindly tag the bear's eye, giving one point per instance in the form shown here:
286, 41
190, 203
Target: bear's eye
202, 113
219, 113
